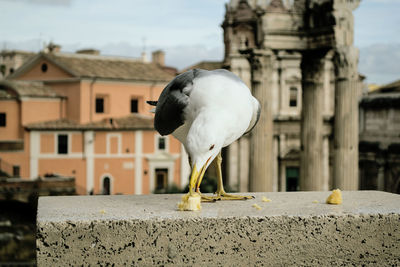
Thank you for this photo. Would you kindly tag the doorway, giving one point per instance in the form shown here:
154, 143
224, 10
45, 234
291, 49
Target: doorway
106, 186
161, 177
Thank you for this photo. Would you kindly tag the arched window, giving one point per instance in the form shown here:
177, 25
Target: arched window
106, 186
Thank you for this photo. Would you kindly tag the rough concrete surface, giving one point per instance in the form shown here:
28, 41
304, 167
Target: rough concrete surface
290, 230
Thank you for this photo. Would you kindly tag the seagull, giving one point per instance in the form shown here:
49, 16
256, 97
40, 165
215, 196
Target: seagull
206, 111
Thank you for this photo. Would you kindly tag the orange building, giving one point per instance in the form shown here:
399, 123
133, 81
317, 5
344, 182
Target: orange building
84, 115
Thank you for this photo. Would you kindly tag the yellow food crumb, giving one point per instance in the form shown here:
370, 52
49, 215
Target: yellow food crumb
315, 201
264, 199
102, 211
256, 206
335, 198
191, 203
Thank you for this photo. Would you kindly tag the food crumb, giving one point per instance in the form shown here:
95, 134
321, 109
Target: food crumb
256, 206
315, 201
190, 202
264, 199
335, 198
102, 211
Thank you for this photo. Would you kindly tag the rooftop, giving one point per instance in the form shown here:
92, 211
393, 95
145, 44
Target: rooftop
92, 65
390, 87
18, 89
386, 96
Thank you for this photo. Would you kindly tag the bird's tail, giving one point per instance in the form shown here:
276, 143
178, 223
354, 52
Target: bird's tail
152, 103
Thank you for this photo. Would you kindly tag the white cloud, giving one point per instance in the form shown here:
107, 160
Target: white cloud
180, 56
380, 62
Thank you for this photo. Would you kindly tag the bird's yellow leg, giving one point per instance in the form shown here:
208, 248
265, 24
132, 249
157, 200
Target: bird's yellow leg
203, 197
221, 194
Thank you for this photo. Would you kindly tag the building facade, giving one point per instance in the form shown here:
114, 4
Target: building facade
85, 116
380, 139
299, 60
10, 60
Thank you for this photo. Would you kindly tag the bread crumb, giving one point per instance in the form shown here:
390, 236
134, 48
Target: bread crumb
264, 199
191, 203
256, 206
102, 211
335, 198
315, 201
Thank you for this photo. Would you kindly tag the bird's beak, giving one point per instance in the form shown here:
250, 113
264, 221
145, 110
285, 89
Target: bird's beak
197, 176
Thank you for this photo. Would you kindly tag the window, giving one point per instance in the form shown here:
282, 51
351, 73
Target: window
44, 67
161, 143
3, 120
161, 178
3, 69
99, 104
292, 179
293, 97
16, 171
134, 106
62, 144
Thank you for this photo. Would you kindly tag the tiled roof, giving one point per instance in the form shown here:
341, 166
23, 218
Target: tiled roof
206, 65
61, 124
391, 87
81, 65
385, 97
134, 121
10, 89
131, 122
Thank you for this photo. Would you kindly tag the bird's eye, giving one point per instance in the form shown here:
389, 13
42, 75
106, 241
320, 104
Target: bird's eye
211, 147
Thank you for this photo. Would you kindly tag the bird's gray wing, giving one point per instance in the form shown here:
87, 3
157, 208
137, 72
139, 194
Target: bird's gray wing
173, 100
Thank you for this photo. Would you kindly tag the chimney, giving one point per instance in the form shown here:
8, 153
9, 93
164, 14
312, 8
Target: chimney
89, 51
158, 57
53, 48
144, 57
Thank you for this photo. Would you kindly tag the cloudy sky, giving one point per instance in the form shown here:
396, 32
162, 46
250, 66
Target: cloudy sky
188, 31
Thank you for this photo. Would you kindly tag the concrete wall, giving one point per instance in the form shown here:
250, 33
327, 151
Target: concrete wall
291, 230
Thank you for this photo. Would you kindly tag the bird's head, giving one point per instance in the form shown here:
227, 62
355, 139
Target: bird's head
201, 159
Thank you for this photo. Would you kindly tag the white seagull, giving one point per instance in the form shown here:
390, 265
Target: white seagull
206, 111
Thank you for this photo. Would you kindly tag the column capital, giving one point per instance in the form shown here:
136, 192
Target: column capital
259, 61
313, 65
346, 60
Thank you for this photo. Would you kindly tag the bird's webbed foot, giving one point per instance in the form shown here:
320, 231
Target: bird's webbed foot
222, 195
205, 198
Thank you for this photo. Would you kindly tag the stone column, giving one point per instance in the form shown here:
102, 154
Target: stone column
233, 160
311, 154
261, 142
381, 176
244, 153
347, 91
